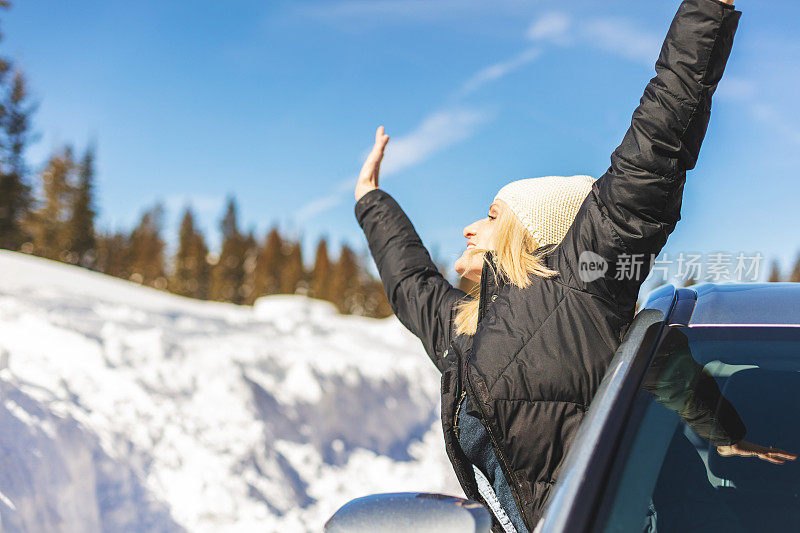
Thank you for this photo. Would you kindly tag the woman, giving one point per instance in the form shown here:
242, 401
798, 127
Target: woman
522, 358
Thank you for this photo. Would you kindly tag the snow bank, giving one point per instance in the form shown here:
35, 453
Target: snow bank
128, 409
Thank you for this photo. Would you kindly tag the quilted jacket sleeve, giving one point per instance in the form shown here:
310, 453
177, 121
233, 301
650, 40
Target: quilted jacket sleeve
419, 295
636, 204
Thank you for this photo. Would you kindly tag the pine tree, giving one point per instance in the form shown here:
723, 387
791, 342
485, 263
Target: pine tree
795, 275
375, 303
48, 224
775, 273
228, 275
248, 293
371, 292
321, 274
191, 270
5, 65
147, 249
346, 283
113, 255
82, 239
15, 193
292, 273
266, 276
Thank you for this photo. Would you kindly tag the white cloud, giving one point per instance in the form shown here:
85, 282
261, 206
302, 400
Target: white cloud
552, 27
619, 36
323, 203
745, 92
625, 39
434, 134
622, 37
736, 89
498, 70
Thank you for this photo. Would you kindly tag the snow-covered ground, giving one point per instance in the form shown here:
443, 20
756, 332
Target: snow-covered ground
124, 408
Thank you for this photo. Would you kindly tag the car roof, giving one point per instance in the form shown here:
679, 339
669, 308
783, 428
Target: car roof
731, 304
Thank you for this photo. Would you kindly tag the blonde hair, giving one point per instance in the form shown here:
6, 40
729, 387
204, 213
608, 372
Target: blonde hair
516, 256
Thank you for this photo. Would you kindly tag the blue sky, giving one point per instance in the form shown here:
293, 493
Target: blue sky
277, 103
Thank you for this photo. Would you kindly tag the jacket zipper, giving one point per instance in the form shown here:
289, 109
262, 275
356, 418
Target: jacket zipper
456, 429
510, 479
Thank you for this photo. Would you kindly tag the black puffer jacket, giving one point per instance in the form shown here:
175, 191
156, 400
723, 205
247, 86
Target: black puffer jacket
539, 353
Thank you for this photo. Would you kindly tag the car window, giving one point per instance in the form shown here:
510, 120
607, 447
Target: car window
709, 387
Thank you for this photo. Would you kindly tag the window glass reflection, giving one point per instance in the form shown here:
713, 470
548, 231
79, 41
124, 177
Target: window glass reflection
716, 448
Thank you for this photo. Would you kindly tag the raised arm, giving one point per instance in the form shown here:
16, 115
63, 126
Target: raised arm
419, 295
635, 205
643, 187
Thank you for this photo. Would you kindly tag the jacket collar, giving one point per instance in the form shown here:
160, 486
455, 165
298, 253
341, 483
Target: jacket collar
490, 284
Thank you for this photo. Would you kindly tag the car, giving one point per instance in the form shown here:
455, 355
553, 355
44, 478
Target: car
699, 367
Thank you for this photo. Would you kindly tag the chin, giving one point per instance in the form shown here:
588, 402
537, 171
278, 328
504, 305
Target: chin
472, 276
464, 271
458, 266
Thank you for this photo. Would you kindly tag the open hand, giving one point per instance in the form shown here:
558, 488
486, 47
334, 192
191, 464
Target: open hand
748, 449
368, 179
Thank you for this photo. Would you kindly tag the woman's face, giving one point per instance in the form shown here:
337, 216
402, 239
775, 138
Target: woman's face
480, 234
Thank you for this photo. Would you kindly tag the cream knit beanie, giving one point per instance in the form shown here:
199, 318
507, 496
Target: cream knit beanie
546, 206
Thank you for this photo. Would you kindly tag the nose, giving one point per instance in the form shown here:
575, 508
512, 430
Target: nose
469, 231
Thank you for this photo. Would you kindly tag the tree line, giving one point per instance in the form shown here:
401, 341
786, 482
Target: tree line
56, 219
